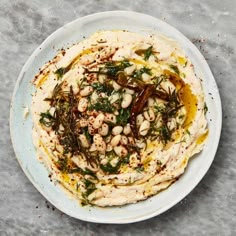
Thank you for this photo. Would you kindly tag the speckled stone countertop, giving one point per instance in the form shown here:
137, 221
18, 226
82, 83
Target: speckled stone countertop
210, 209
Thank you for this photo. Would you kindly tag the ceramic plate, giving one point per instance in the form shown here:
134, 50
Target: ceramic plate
21, 129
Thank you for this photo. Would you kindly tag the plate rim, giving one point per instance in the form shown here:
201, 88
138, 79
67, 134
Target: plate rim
21, 77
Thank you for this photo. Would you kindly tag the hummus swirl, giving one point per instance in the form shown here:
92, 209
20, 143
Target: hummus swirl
117, 116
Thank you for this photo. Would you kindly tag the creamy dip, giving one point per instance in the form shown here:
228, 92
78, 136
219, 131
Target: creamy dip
117, 116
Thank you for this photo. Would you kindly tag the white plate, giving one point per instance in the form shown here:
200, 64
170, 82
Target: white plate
21, 129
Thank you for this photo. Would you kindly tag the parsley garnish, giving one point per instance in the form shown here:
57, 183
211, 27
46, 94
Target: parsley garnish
175, 69
61, 71
102, 104
123, 117
102, 88
46, 119
148, 53
138, 73
90, 187
113, 68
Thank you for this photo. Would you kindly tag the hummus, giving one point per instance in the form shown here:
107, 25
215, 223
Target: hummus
117, 117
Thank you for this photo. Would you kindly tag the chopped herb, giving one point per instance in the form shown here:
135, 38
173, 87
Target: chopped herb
124, 64
125, 160
159, 79
187, 132
174, 68
123, 117
112, 68
159, 108
164, 134
205, 108
61, 71
105, 88
148, 53
102, 104
46, 119
108, 168
63, 164
87, 135
181, 117
90, 187
138, 73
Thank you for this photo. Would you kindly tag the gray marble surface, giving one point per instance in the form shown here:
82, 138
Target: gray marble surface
210, 209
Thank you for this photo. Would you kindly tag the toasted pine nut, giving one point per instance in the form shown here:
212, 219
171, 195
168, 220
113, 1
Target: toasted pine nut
139, 119
126, 101
115, 140
94, 97
91, 130
104, 129
114, 97
115, 85
99, 143
151, 102
124, 140
110, 118
129, 91
83, 140
102, 78
127, 129
98, 121
114, 161
83, 104
144, 127
117, 130
109, 147
83, 122
149, 115
86, 91
93, 148
121, 151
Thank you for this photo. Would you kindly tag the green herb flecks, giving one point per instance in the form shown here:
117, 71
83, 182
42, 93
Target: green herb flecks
123, 117
148, 53
205, 109
108, 168
112, 68
87, 135
61, 71
167, 111
46, 119
175, 69
102, 104
105, 88
165, 134
158, 80
89, 186
138, 73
